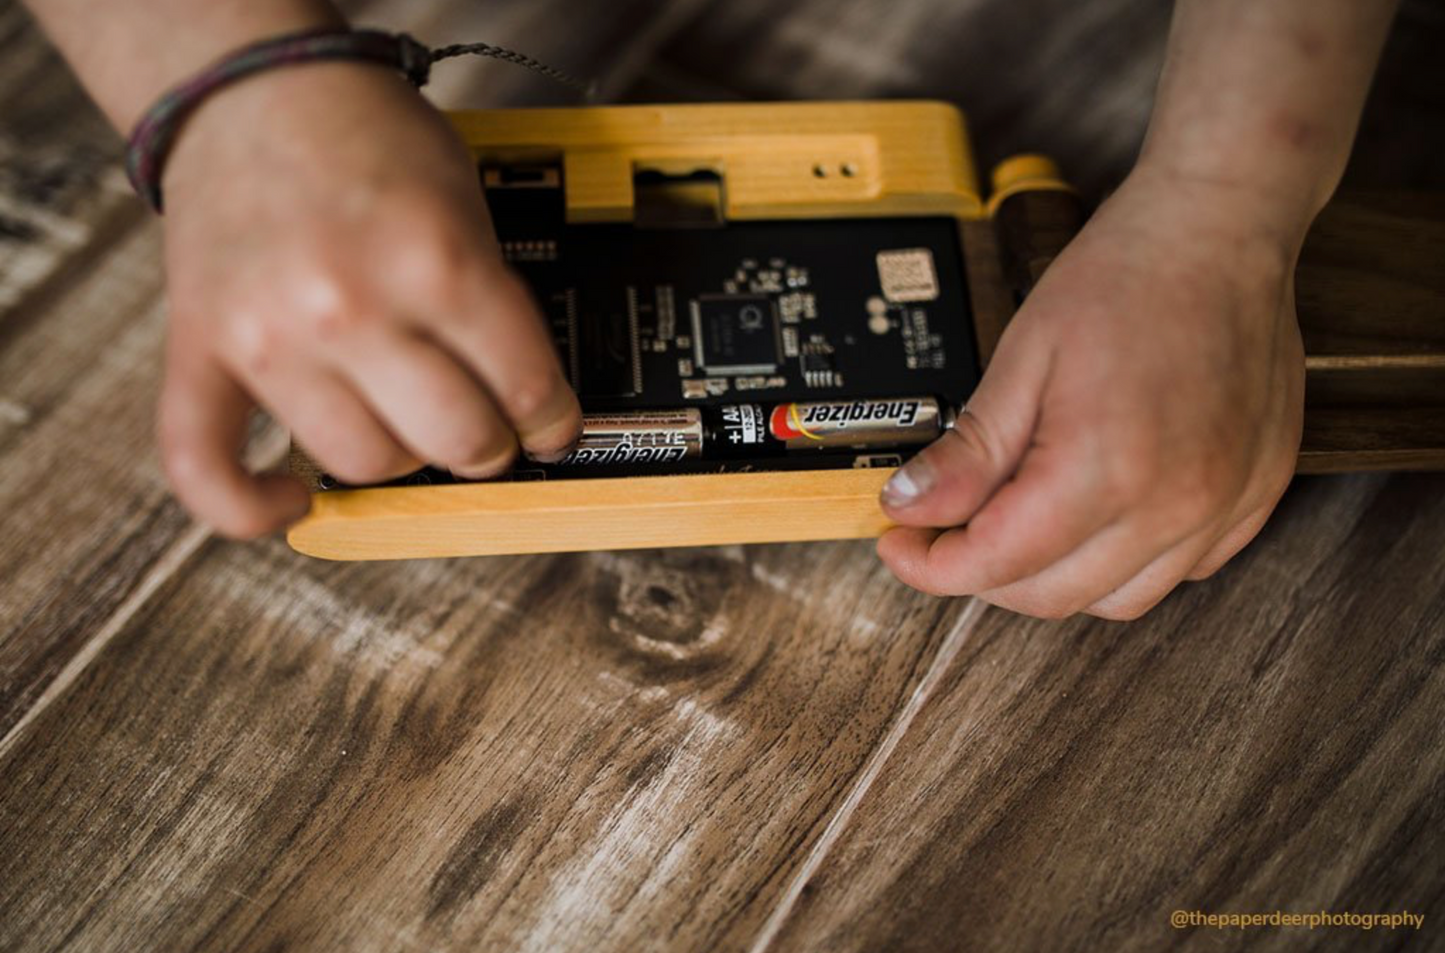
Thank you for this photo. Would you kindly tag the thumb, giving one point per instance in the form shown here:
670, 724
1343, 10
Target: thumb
950, 479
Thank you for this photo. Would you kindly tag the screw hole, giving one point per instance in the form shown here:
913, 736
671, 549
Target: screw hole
820, 171
848, 169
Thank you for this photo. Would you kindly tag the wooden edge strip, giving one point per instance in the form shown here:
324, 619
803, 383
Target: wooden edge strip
614, 513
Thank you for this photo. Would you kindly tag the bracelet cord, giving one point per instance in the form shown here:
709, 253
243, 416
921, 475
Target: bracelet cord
154, 134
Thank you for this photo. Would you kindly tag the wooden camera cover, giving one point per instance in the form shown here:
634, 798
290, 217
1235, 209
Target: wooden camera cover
1377, 378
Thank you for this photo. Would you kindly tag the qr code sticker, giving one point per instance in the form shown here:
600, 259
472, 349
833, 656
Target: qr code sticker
907, 274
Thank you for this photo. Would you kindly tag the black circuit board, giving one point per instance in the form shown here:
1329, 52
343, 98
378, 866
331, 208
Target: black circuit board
757, 311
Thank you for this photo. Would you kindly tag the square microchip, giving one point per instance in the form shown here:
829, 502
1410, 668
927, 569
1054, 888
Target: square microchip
907, 274
735, 334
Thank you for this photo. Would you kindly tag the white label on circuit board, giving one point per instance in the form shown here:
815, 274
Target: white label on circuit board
907, 274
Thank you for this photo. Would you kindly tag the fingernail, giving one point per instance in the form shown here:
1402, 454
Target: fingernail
556, 456
908, 484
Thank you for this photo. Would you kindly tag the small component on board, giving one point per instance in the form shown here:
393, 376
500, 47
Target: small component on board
706, 387
908, 274
816, 361
735, 334
606, 346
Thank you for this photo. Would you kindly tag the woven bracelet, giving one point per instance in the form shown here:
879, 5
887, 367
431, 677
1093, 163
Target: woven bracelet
151, 140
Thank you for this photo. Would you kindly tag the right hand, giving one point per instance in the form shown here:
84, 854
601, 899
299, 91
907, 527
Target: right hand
330, 257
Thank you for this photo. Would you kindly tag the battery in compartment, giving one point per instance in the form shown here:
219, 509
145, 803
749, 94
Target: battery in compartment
650, 438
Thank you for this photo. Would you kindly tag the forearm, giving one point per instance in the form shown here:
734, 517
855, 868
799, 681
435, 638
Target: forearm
128, 53
1263, 97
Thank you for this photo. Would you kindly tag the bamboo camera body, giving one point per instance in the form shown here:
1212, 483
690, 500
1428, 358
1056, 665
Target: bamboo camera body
695, 260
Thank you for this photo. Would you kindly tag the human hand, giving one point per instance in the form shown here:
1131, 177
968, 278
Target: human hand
330, 257
1137, 424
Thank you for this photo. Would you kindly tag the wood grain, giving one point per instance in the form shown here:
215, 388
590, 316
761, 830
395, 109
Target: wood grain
1271, 739
1370, 292
83, 510
548, 516
61, 193
711, 749
627, 751
1371, 282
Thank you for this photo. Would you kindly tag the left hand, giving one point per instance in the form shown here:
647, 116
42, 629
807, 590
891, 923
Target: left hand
1137, 424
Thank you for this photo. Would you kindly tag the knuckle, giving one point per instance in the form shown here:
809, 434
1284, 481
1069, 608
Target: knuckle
969, 437
530, 398
1191, 508
1214, 480
333, 311
253, 341
1129, 476
1203, 492
434, 267
988, 527
182, 464
510, 296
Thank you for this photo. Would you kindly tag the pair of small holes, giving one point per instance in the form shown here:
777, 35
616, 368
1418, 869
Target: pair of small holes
847, 170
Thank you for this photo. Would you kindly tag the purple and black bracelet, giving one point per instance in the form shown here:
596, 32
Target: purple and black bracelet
153, 136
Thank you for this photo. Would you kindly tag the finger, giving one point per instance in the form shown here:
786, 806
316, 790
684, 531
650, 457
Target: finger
1196, 558
1151, 584
498, 333
1041, 516
948, 481
1107, 561
1229, 545
329, 418
202, 426
904, 550
431, 403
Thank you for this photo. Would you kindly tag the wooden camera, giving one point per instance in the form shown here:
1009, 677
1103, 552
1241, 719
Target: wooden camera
765, 308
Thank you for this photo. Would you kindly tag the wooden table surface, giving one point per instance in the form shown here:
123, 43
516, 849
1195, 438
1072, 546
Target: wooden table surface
222, 746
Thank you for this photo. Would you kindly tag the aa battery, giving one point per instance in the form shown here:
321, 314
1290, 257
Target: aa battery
751, 430
642, 436
887, 422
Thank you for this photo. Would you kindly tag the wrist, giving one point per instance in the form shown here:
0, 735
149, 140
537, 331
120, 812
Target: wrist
154, 136
1251, 208
1261, 183
197, 43
278, 120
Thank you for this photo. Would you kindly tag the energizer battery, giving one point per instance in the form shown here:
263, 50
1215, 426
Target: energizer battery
750, 430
